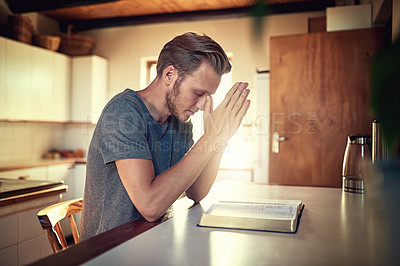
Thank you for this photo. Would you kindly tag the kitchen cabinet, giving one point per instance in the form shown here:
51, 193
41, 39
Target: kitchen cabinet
18, 81
34, 173
61, 87
89, 88
72, 175
61, 172
75, 180
34, 83
57, 173
22, 240
41, 85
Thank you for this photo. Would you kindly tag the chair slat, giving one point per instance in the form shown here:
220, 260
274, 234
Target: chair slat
74, 229
60, 235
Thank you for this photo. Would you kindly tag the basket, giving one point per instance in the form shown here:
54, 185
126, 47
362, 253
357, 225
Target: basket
50, 42
73, 44
21, 28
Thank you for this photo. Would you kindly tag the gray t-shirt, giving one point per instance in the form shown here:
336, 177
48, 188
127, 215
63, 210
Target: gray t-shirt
125, 130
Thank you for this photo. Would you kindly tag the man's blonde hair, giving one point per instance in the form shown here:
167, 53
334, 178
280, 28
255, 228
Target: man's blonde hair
188, 51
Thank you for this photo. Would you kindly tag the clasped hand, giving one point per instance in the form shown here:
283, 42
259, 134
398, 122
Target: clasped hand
220, 124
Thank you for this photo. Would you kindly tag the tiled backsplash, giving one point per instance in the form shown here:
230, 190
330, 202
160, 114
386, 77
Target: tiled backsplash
26, 141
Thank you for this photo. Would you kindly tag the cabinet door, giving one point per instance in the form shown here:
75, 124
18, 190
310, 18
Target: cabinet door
2, 78
81, 88
42, 85
99, 87
18, 80
35, 173
15, 174
58, 173
89, 88
38, 173
61, 87
75, 180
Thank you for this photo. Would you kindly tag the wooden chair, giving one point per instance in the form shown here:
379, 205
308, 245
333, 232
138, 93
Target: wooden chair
50, 218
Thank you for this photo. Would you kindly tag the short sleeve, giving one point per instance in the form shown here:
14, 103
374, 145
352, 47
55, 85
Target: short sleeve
122, 132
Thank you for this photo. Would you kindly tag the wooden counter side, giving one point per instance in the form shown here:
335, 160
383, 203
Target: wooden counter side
24, 201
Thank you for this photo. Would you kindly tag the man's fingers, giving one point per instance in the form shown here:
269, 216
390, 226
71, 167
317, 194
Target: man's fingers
229, 95
241, 114
239, 102
238, 96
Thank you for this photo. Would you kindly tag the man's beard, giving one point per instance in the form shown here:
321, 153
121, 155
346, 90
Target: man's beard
171, 99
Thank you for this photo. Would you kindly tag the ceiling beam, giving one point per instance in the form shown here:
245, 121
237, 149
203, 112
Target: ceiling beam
316, 5
22, 6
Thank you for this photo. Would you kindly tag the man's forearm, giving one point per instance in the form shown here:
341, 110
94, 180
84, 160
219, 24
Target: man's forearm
202, 160
200, 188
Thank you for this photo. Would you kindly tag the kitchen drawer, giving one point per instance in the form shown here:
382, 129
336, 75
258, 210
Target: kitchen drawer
35, 173
8, 230
9, 255
57, 173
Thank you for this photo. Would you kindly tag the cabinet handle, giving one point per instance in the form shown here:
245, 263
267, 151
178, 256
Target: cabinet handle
23, 177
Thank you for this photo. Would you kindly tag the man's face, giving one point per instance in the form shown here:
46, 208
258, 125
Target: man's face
189, 95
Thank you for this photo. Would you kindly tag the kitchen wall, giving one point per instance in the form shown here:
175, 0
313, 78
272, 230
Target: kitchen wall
19, 141
27, 142
126, 46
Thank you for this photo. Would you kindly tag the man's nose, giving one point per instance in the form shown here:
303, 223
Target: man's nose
201, 102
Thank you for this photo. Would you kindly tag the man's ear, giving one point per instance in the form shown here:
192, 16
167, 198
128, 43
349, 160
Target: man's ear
169, 75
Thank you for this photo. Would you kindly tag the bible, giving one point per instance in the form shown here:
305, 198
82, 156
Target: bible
265, 215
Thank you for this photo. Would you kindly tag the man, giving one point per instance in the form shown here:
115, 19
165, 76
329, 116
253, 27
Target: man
141, 157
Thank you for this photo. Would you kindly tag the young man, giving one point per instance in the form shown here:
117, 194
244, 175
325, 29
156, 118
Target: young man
141, 157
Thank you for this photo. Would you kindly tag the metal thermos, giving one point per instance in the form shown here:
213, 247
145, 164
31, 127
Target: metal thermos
356, 154
379, 148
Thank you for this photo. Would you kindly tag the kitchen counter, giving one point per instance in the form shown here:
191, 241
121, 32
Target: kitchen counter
13, 188
336, 228
15, 195
38, 163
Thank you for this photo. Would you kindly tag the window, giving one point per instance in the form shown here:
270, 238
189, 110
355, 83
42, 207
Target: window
151, 71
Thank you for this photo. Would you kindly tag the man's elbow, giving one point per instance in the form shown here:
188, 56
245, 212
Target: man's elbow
151, 214
196, 197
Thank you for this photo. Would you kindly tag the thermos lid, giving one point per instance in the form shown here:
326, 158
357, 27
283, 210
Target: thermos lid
359, 139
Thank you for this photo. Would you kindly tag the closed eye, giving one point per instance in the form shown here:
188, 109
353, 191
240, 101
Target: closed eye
199, 94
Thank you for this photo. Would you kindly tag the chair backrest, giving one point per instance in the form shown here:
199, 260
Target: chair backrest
50, 218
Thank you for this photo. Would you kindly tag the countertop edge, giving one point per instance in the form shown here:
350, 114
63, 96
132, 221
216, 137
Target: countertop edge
41, 163
32, 195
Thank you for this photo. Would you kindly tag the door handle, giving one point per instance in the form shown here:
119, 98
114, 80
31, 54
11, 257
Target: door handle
275, 141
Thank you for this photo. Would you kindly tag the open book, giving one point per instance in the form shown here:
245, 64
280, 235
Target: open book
266, 215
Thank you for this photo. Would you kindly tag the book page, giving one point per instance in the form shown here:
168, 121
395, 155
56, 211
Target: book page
261, 210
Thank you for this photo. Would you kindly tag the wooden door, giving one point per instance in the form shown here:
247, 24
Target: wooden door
319, 95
